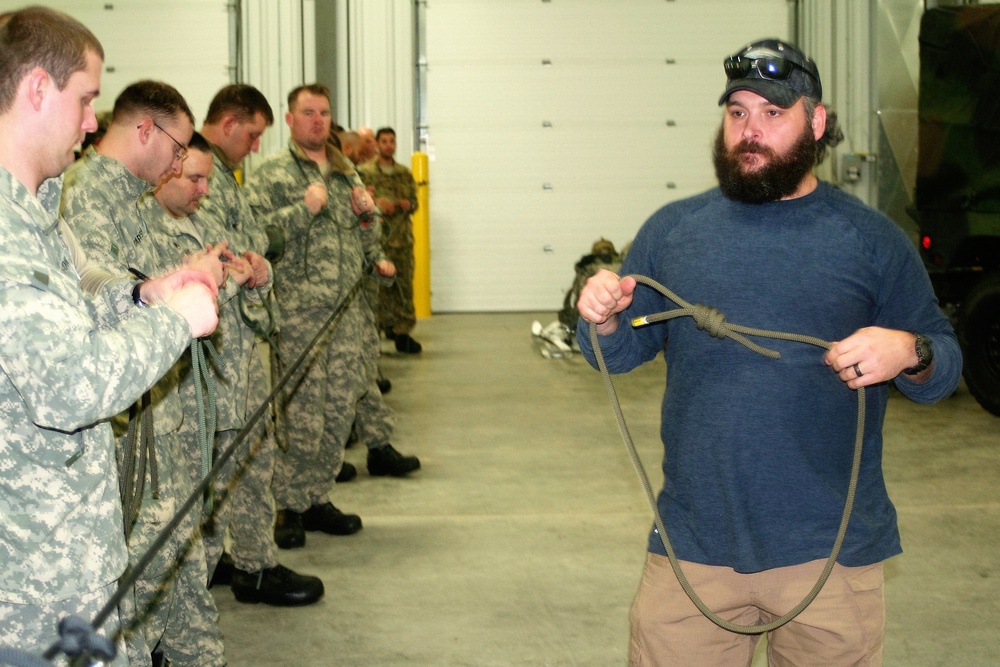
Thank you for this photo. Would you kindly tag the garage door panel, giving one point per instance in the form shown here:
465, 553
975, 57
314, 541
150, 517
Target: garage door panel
525, 95
636, 29
554, 123
184, 43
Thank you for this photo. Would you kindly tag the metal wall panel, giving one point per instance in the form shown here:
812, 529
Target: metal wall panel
278, 54
869, 57
898, 76
375, 66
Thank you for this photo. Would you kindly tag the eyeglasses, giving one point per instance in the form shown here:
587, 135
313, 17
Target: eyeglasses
768, 67
181, 152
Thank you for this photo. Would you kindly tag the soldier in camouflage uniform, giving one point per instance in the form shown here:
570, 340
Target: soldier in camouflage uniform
396, 197
242, 499
67, 361
314, 194
145, 143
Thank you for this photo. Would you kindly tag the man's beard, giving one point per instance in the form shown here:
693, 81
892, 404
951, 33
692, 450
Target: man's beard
779, 178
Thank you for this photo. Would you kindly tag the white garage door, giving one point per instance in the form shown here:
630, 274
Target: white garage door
182, 42
553, 123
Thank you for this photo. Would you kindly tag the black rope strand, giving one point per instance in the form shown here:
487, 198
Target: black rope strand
714, 323
126, 582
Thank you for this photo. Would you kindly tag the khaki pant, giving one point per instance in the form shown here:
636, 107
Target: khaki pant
843, 626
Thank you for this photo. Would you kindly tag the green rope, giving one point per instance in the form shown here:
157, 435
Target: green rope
265, 331
204, 390
714, 323
138, 454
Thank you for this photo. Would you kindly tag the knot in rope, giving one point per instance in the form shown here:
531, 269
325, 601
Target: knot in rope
710, 320
78, 637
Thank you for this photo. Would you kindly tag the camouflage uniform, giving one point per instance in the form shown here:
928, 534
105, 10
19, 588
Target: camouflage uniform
396, 312
101, 204
325, 257
245, 508
68, 362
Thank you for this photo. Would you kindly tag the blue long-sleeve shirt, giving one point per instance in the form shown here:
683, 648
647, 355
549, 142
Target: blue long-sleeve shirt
758, 451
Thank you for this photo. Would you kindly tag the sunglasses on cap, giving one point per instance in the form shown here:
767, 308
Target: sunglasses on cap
772, 67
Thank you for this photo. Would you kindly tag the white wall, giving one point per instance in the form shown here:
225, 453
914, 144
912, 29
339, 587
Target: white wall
182, 42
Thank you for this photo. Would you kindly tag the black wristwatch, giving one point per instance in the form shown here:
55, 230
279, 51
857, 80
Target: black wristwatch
137, 296
925, 355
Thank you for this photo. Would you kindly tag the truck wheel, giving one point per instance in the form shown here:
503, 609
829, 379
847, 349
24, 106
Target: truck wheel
979, 334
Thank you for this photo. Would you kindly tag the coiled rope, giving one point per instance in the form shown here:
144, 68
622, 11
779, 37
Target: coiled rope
132, 470
79, 638
714, 323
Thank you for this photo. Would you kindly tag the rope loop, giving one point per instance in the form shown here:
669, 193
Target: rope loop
714, 322
711, 321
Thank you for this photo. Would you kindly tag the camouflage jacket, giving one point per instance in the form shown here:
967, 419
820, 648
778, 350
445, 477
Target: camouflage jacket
227, 205
394, 184
232, 339
325, 254
62, 373
100, 203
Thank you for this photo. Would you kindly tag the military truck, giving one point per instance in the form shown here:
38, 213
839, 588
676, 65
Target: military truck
957, 194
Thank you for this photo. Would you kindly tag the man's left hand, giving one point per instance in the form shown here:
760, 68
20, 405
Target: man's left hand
872, 355
261, 273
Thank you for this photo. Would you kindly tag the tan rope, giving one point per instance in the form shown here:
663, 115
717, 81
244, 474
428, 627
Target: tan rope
714, 323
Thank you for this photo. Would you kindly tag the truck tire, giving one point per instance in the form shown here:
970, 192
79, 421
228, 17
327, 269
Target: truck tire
979, 335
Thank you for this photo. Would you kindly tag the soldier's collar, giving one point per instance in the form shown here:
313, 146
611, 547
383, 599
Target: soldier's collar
335, 160
219, 153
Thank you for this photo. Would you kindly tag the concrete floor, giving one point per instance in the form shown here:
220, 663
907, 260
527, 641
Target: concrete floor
521, 540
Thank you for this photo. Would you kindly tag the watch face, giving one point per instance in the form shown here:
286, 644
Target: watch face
924, 350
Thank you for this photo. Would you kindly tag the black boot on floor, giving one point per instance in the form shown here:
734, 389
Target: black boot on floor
223, 574
347, 473
328, 519
385, 460
288, 531
407, 345
384, 386
277, 586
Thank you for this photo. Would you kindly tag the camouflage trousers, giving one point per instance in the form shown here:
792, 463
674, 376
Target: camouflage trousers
396, 311
335, 386
243, 504
171, 608
34, 628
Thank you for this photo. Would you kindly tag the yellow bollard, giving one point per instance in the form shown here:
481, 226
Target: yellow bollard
422, 239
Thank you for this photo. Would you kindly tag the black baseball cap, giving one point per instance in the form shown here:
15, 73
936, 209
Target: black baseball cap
775, 70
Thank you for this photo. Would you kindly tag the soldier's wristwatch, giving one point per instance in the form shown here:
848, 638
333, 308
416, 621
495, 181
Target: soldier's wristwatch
137, 295
925, 355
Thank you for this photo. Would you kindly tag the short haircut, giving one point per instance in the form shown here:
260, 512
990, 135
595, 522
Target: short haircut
242, 101
42, 37
349, 138
199, 143
159, 100
384, 130
313, 88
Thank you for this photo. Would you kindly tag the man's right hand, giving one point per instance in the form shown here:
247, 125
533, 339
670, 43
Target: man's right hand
197, 305
190, 292
316, 198
603, 297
